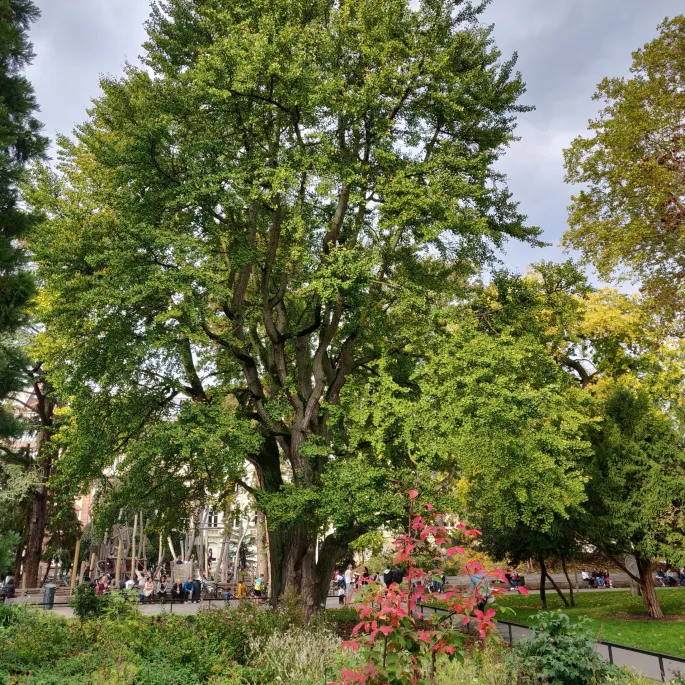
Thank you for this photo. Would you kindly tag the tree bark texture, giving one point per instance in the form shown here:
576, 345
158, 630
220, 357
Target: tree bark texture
647, 586
39, 497
631, 565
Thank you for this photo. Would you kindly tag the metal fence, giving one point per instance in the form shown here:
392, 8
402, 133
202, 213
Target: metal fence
653, 665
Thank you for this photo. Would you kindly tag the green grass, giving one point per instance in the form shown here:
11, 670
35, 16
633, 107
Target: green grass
605, 609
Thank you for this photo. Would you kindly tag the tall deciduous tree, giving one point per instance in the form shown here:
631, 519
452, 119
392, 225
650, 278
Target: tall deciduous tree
276, 199
636, 492
631, 212
20, 144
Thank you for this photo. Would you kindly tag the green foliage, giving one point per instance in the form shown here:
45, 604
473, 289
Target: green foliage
8, 544
239, 647
86, 603
297, 656
637, 483
20, 144
629, 213
561, 652
279, 197
372, 541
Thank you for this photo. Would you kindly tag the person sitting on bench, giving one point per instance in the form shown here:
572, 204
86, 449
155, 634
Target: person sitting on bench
587, 577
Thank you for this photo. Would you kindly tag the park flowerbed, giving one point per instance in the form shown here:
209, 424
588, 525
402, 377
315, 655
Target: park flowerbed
248, 646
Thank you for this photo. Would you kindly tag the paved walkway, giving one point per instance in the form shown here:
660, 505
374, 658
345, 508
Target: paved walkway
186, 608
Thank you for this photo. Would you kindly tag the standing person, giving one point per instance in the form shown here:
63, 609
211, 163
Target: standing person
242, 590
177, 591
349, 585
366, 576
387, 577
258, 587
188, 590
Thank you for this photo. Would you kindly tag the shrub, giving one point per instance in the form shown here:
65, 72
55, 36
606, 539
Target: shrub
297, 656
488, 666
86, 603
562, 653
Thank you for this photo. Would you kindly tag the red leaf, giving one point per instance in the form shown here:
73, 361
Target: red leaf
454, 550
523, 590
430, 507
351, 644
413, 494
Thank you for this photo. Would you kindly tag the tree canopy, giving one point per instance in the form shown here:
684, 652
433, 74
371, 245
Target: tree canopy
630, 213
279, 197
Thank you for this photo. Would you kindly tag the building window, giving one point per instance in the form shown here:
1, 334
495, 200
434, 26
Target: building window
213, 519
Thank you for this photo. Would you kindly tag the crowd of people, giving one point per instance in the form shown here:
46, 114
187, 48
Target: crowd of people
347, 582
671, 578
597, 578
149, 589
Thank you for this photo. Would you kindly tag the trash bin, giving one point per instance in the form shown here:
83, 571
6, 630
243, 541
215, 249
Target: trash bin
49, 595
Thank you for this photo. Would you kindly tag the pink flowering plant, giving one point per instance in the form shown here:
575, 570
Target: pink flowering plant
399, 644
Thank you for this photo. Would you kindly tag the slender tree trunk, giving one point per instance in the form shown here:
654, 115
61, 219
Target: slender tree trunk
18, 559
648, 590
262, 547
557, 588
47, 572
570, 586
631, 565
543, 589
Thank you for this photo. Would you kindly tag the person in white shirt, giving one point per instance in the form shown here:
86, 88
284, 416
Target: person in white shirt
349, 585
587, 577
130, 584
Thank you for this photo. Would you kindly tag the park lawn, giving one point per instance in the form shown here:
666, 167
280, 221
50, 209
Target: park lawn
612, 615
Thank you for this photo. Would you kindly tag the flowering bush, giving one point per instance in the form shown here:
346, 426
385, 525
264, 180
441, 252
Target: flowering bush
401, 645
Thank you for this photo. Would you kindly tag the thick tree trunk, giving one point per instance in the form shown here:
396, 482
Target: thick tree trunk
39, 504
543, 589
568, 579
647, 586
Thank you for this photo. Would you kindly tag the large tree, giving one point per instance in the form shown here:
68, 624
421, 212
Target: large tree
277, 198
630, 214
636, 491
20, 144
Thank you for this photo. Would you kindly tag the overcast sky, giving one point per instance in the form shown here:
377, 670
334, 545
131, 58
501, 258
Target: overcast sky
565, 48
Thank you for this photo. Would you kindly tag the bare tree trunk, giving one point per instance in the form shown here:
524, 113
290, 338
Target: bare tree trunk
648, 590
570, 586
47, 572
262, 548
557, 588
143, 542
543, 589
242, 531
36, 529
